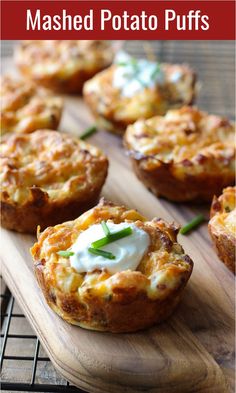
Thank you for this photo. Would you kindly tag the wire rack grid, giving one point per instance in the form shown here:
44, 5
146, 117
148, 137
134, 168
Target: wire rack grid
7, 316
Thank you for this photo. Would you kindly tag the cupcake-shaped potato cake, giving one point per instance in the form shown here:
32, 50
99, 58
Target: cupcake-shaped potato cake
132, 89
63, 65
111, 269
222, 226
46, 178
26, 107
185, 155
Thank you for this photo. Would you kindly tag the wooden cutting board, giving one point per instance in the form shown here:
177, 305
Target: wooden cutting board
191, 352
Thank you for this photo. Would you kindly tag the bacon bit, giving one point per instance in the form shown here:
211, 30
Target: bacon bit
201, 159
219, 122
5, 195
187, 162
190, 130
39, 197
86, 153
175, 230
162, 287
216, 205
166, 241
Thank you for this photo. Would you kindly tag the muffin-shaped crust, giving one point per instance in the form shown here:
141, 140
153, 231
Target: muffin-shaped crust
26, 107
222, 226
122, 302
63, 65
185, 155
48, 177
115, 112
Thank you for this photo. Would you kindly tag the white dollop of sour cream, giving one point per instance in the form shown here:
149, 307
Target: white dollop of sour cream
133, 75
176, 76
128, 251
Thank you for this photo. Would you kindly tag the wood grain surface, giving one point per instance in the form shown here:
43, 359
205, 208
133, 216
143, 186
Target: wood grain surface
191, 352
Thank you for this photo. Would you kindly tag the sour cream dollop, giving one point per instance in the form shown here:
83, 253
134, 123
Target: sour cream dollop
128, 251
133, 75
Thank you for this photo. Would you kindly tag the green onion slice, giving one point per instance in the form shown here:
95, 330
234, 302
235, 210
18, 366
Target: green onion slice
105, 228
192, 224
156, 71
122, 64
65, 254
112, 237
103, 253
88, 132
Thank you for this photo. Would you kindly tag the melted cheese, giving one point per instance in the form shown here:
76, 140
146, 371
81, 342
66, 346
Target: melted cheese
160, 269
230, 222
56, 163
63, 57
182, 136
26, 108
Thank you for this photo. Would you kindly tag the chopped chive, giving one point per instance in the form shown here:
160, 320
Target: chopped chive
122, 64
134, 62
112, 238
156, 71
103, 253
88, 132
65, 254
105, 228
192, 224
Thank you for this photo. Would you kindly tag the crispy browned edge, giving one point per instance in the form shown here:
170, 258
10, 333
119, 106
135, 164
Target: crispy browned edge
225, 245
72, 85
41, 211
133, 313
119, 127
133, 310
53, 124
162, 182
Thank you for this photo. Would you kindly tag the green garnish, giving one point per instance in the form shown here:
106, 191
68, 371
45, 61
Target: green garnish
192, 224
88, 132
103, 253
112, 238
65, 254
156, 71
227, 209
129, 62
136, 70
122, 64
105, 228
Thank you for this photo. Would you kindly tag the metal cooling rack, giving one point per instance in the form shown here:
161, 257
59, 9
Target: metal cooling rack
7, 315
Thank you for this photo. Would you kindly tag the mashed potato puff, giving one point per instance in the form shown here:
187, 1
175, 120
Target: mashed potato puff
183, 156
125, 301
48, 177
63, 65
114, 110
222, 226
26, 107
